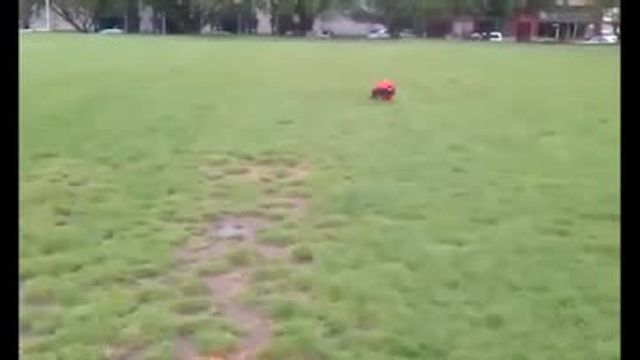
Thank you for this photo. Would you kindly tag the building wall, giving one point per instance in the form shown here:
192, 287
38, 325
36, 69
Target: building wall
342, 25
462, 27
264, 23
146, 19
525, 27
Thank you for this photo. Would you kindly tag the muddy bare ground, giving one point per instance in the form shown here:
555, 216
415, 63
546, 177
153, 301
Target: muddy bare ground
231, 233
266, 173
295, 204
185, 350
226, 288
136, 354
222, 235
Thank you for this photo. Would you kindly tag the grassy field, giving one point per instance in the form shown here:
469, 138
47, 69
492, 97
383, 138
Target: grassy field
185, 196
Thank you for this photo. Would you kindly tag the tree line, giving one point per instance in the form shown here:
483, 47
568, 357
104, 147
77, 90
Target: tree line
287, 16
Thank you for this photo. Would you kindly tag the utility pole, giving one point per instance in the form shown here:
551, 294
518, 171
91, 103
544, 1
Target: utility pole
252, 18
47, 4
239, 9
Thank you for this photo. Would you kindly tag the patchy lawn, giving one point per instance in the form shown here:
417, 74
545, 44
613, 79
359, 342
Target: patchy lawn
185, 197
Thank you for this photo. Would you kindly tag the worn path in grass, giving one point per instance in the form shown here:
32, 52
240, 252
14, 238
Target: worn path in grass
228, 233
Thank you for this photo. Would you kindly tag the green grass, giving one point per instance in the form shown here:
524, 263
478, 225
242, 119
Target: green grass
476, 217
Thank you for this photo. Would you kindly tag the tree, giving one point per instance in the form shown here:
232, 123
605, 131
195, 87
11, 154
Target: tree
299, 15
211, 11
185, 16
281, 13
79, 13
392, 12
304, 12
537, 5
26, 9
83, 14
464, 7
189, 16
132, 20
598, 10
398, 14
502, 9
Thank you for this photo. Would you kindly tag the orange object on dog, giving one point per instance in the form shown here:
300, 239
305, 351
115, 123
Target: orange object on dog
384, 90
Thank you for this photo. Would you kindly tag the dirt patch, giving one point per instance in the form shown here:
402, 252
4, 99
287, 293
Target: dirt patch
237, 171
200, 252
299, 297
256, 171
114, 353
221, 237
332, 221
136, 354
236, 228
292, 205
297, 194
226, 289
227, 234
270, 173
300, 205
235, 238
185, 350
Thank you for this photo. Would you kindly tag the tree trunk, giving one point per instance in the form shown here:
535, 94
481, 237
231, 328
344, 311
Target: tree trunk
26, 20
25, 11
598, 14
132, 16
274, 17
82, 25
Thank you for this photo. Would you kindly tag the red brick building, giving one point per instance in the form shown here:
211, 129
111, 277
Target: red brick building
525, 27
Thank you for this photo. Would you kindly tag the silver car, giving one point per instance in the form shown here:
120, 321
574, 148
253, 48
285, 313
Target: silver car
378, 34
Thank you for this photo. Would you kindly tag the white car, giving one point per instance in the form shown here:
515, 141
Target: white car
476, 36
112, 31
406, 34
378, 34
495, 36
602, 39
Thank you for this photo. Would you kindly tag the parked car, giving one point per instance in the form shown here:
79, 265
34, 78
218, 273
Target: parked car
378, 34
325, 34
493, 36
601, 39
406, 34
112, 31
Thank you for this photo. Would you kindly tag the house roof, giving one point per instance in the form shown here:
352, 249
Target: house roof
363, 15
